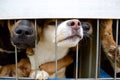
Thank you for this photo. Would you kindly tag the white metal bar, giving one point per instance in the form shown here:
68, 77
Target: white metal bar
16, 59
99, 55
36, 40
97, 50
76, 72
16, 62
56, 73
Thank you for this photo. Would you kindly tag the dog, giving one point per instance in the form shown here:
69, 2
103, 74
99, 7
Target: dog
67, 61
9, 68
7, 53
68, 34
108, 43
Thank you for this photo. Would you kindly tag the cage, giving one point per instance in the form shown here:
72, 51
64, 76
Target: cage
91, 61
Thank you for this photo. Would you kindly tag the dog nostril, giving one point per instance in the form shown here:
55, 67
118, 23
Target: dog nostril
28, 33
78, 23
23, 32
72, 23
19, 31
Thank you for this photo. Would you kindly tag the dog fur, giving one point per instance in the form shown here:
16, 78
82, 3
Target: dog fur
64, 62
8, 68
24, 69
7, 53
48, 38
108, 43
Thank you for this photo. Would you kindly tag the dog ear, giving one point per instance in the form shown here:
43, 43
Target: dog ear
11, 22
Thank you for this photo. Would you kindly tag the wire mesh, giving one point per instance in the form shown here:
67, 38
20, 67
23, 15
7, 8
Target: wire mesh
77, 60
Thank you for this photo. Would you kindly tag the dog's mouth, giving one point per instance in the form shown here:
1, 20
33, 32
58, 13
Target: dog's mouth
23, 42
73, 38
23, 45
20, 45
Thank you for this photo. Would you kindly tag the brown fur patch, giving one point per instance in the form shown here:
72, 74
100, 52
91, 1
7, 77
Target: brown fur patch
10, 70
108, 42
50, 66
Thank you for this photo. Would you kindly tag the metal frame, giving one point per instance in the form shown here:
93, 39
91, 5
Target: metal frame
40, 9
29, 9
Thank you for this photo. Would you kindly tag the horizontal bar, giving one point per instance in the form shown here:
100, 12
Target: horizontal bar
18, 9
62, 79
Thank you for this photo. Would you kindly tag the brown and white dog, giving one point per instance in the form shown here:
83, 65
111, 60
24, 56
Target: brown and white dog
68, 34
7, 55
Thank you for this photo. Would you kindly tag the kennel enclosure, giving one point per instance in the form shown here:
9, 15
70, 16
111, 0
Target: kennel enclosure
89, 60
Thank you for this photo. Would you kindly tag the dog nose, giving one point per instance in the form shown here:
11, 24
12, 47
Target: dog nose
74, 24
23, 30
85, 26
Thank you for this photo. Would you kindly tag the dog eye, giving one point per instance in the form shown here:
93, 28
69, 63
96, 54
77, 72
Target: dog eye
51, 23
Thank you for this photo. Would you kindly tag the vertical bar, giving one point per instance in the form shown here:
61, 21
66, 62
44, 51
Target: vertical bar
76, 77
36, 64
90, 58
16, 64
80, 64
56, 73
117, 23
97, 50
99, 56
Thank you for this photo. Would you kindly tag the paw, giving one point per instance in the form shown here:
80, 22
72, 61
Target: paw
39, 74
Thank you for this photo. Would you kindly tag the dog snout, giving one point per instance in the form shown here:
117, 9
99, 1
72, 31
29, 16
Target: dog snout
85, 26
23, 30
74, 24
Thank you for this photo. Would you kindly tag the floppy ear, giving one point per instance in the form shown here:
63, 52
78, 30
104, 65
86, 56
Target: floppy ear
10, 23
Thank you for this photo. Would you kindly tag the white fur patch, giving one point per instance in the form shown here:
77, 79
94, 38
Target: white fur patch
41, 75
